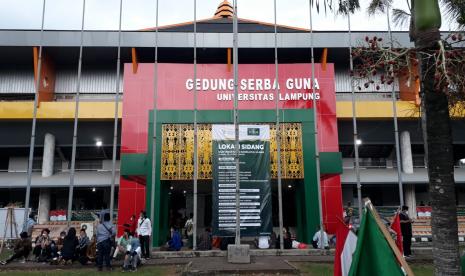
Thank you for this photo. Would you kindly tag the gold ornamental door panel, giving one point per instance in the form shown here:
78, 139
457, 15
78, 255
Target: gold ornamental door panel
177, 161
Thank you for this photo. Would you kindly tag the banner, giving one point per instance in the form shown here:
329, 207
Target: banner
255, 189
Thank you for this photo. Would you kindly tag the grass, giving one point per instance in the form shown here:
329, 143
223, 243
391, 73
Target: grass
148, 270
316, 269
306, 268
85, 271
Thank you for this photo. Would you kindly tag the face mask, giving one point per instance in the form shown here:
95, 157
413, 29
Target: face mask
406, 212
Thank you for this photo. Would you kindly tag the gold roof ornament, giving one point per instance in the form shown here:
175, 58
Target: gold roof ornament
224, 10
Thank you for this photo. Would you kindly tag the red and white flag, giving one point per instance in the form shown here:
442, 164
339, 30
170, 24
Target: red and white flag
346, 242
395, 226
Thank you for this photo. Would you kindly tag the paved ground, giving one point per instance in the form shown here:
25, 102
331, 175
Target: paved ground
210, 265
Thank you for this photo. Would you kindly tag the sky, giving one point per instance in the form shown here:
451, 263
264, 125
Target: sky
140, 14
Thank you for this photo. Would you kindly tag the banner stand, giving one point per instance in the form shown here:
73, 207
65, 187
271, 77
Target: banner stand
255, 188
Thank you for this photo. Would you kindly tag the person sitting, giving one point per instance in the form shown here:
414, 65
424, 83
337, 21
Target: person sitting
273, 239
70, 243
133, 253
316, 242
42, 250
22, 249
205, 240
82, 247
55, 248
175, 243
92, 249
263, 242
122, 244
225, 241
287, 239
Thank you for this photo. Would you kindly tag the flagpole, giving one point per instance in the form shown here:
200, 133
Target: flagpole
315, 119
34, 121
196, 169
278, 133
115, 122
154, 134
354, 123
76, 119
394, 112
236, 124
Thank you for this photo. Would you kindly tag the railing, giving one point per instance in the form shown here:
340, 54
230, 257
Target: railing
59, 170
366, 96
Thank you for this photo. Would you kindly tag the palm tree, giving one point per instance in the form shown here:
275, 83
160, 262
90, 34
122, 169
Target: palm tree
436, 122
425, 21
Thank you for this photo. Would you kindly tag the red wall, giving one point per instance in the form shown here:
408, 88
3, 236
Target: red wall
173, 95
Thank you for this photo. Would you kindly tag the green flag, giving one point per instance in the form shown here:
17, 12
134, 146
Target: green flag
373, 255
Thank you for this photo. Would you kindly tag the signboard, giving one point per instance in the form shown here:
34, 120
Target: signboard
214, 84
255, 189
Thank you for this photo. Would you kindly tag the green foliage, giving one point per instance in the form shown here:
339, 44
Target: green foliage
341, 6
378, 6
455, 9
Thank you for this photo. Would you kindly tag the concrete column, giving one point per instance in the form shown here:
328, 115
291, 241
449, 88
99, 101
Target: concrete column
49, 155
406, 152
407, 167
44, 205
47, 171
410, 200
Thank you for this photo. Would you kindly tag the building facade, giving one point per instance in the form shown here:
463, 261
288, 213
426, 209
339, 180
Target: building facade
99, 86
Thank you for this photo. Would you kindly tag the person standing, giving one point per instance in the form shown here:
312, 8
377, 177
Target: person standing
131, 224
105, 233
189, 225
144, 231
406, 229
30, 225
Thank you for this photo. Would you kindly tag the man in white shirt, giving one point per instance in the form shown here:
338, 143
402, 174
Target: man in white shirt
190, 230
144, 231
317, 240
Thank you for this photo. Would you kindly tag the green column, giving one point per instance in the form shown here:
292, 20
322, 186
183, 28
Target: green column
310, 188
157, 224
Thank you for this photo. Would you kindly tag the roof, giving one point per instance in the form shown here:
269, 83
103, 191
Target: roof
225, 9
224, 25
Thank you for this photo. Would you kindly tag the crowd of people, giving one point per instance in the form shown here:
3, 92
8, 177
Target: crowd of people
134, 244
69, 247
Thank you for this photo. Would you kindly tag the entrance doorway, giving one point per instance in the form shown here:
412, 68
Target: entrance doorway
181, 199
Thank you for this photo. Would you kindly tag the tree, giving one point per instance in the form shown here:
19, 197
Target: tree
439, 87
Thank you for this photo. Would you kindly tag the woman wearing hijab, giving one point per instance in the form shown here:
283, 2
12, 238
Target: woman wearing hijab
70, 243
